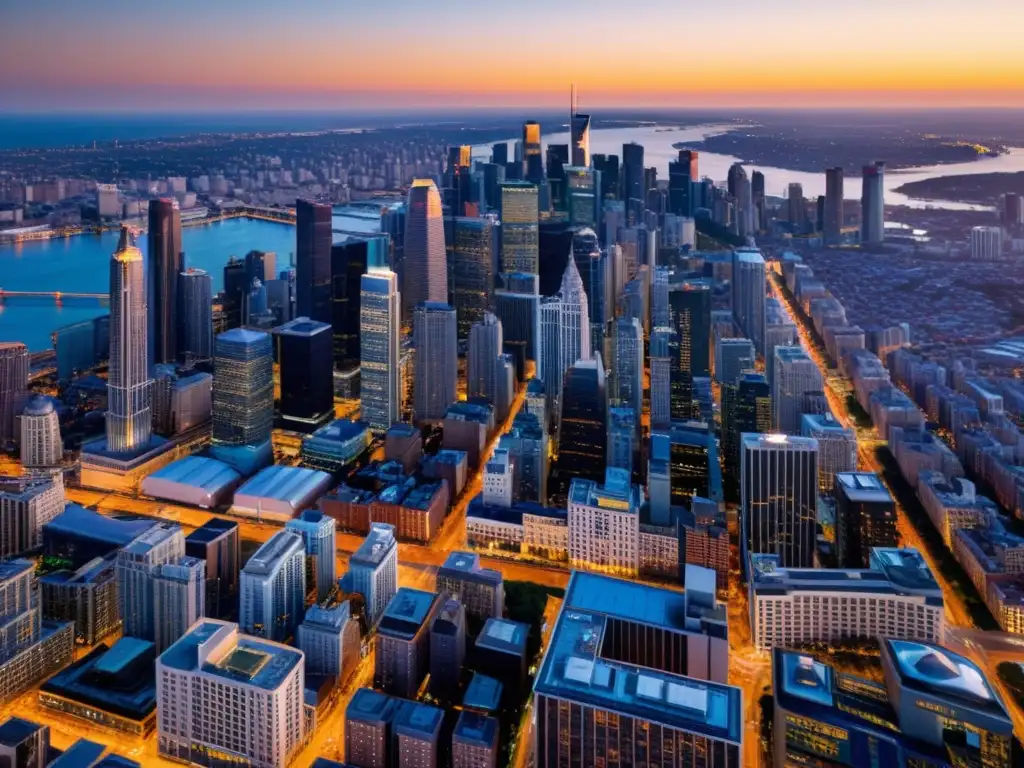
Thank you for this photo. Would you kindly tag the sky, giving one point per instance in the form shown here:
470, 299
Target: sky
223, 55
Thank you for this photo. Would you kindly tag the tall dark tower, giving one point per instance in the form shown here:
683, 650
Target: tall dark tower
313, 260
349, 262
583, 429
166, 262
533, 161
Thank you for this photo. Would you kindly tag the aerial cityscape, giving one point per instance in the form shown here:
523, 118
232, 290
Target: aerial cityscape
430, 404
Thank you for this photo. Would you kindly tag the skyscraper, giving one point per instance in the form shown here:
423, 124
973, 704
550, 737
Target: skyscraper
746, 407
14, 367
565, 329
312, 260
690, 304
306, 374
379, 309
273, 588
583, 428
474, 261
661, 377
195, 316
373, 570
779, 498
129, 420
41, 445
797, 207
458, 186
633, 192
533, 162
426, 271
682, 173
436, 341
833, 205
166, 262
872, 205
488, 373
748, 294
236, 292
318, 534
349, 262
629, 365
243, 398
179, 599
591, 264
622, 438
794, 375
520, 227
865, 518
579, 125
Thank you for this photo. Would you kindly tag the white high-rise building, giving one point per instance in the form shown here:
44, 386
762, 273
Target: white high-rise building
748, 294
795, 374
41, 444
986, 243
435, 337
329, 637
221, 693
319, 535
629, 364
604, 525
129, 417
499, 472
779, 497
837, 447
179, 599
489, 372
26, 505
273, 588
426, 263
380, 376
373, 570
564, 329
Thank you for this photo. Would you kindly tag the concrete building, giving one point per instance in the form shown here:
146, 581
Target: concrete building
41, 443
435, 338
329, 638
604, 524
179, 599
480, 590
87, 596
383, 731
897, 596
499, 479
213, 664
318, 534
952, 504
273, 588
795, 375
218, 545
27, 505
748, 295
986, 243
379, 320
373, 570
865, 518
447, 649
403, 642
837, 447
475, 741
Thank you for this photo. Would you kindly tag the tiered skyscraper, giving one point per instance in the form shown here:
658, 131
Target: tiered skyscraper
379, 309
312, 260
166, 262
564, 329
426, 269
129, 419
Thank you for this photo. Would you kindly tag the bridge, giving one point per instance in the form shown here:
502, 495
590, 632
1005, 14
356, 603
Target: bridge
55, 295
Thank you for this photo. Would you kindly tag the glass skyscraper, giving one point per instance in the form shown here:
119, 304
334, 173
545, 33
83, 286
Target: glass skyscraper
379, 309
437, 364
312, 260
520, 227
307, 378
166, 261
426, 273
690, 304
243, 398
195, 315
349, 262
474, 260
583, 428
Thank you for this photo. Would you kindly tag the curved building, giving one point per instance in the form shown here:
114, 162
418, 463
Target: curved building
129, 418
426, 263
41, 445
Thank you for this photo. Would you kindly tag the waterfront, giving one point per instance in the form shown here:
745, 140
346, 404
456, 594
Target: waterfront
658, 152
81, 263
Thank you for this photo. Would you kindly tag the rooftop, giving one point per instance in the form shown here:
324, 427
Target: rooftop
85, 523
863, 487
406, 612
420, 721
120, 679
242, 336
483, 693
199, 472
504, 635
301, 326
155, 536
11, 568
340, 430
940, 672
212, 530
269, 556
372, 706
477, 730
467, 564
289, 484
626, 600
15, 730
376, 546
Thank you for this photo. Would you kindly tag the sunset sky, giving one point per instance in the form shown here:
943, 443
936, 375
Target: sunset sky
322, 54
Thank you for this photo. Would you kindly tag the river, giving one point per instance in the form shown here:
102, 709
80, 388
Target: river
658, 152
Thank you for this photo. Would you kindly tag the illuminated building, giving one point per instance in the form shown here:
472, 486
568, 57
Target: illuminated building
520, 227
779, 497
473, 242
629, 365
682, 174
661, 376
935, 708
837, 451
565, 329
733, 357
403, 649
243, 399
426, 270
273, 588
128, 418
691, 450
632, 189
872, 205
748, 294
533, 167
382, 731
489, 372
527, 445
579, 126
592, 266
604, 524
583, 427
581, 188
896, 596
265, 723
622, 438
435, 338
27, 504
833, 205
313, 237
166, 259
637, 671
379, 318
795, 375
690, 304
865, 516
318, 534
475, 741
329, 639
373, 570
303, 353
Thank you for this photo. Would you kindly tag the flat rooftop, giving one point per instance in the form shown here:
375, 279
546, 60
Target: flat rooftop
301, 326
482, 693
212, 530
626, 600
15, 730
406, 612
120, 680
376, 546
504, 635
863, 487
467, 565
477, 730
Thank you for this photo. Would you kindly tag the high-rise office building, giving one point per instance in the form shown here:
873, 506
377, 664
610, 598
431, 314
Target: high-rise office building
833, 205
633, 191
304, 358
474, 242
579, 127
872, 204
591, 264
237, 286
583, 427
219, 546
27, 505
795, 374
622, 438
436, 340
691, 451
837, 447
273, 588
565, 329
243, 398
690, 304
661, 376
481, 590
179, 599
379, 375
129, 419
329, 638
265, 723
458, 179
986, 243
426, 270
373, 570
733, 356
796, 207
41, 444
745, 408
520, 227
779, 497
748, 294
165, 264
318, 535
349, 262
490, 373
865, 518
313, 222
403, 642
533, 162
14, 367
195, 316
581, 195
629, 365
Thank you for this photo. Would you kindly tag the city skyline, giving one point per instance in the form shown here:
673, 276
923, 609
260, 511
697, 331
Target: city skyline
913, 60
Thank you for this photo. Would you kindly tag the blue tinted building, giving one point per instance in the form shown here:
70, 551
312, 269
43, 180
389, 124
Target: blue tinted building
243, 399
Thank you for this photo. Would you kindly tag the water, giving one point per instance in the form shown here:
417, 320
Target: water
658, 152
82, 264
